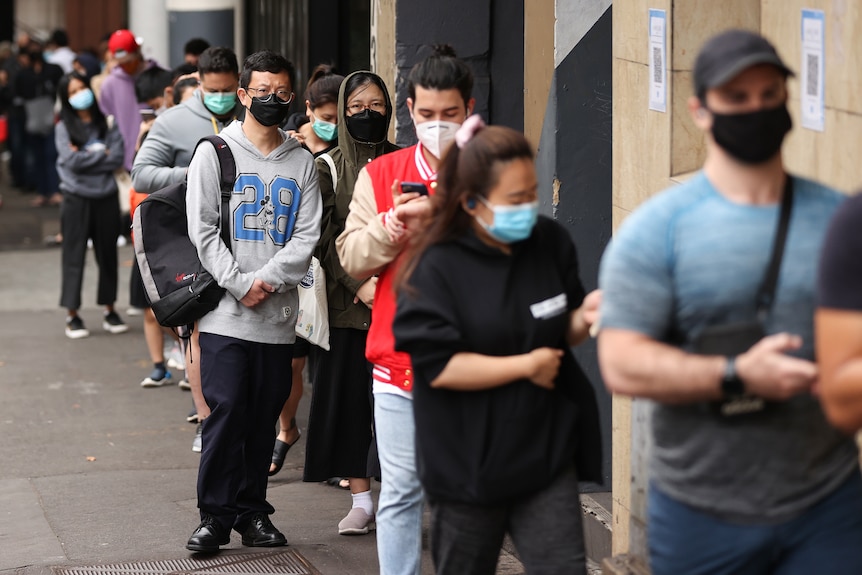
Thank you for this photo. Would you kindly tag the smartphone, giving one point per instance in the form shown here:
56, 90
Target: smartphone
418, 187
148, 114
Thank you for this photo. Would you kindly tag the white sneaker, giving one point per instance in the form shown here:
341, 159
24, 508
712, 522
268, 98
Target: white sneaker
184, 384
157, 378
174, 357
134, 311
75, 328
112, 323
357, 522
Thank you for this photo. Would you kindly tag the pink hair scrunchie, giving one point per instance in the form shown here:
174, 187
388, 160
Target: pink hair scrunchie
468, 129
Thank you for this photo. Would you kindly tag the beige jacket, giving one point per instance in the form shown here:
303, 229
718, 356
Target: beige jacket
364, 247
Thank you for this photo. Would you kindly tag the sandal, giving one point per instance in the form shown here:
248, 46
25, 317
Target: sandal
341, 482
279, 452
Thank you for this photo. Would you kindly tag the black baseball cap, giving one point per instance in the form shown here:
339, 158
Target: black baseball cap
726, 55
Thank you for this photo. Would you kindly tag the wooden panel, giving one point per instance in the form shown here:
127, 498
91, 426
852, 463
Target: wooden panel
695, 21
631, 28
538, 64
688, 145
641, 138
782, 21
88, 21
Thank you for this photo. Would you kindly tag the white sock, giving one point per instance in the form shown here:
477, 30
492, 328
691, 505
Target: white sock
363, 500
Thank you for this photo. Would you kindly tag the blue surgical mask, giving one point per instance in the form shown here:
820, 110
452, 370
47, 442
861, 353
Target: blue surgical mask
327, 131
219, 103
82, 100
511, 223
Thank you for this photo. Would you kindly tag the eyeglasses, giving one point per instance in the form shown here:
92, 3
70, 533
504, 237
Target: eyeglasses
265, 94
356, 107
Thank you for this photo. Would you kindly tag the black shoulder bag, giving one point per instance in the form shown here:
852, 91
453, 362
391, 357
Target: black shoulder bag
734, 338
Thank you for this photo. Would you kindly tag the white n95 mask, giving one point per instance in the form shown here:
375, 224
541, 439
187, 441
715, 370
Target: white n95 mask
437, 136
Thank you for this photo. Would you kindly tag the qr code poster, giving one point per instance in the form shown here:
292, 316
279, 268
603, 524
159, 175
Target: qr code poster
657, 61
813, 73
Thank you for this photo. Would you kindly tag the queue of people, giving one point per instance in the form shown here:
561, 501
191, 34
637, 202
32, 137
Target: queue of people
453, 307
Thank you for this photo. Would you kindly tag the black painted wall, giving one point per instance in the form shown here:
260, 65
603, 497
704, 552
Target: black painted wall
487, 34
7, 20
338, 34
581, 160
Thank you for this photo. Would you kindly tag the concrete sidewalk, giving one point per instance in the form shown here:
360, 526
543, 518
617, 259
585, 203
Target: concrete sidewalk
97, 470
96, 473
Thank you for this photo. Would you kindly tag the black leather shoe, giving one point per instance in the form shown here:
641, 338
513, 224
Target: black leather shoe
261, 533
208, 536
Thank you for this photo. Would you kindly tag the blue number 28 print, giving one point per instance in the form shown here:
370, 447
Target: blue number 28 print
272, 211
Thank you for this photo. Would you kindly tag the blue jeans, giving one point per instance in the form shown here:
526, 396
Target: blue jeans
399, 513
827, 538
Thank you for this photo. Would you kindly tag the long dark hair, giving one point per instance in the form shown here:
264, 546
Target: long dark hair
465, 174
322, 87
79, 133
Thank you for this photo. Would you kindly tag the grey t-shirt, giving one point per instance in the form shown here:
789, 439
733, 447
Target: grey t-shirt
687, 259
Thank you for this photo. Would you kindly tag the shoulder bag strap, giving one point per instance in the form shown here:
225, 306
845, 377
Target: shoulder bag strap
329, 162
766, 293
227, 164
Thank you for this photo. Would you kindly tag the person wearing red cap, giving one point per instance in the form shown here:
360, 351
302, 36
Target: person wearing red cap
117, 96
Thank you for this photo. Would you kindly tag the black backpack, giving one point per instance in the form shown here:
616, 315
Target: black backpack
179, 289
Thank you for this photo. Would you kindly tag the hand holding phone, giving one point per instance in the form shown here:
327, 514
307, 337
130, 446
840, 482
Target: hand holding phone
418, 187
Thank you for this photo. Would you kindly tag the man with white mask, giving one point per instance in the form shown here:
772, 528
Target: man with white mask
381, 221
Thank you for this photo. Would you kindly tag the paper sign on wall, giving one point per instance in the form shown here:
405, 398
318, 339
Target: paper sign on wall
657, 61
812, 77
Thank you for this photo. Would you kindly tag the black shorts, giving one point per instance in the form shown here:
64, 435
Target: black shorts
301, 347
137, 294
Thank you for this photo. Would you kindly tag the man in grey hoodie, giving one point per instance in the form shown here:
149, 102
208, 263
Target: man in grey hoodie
246, 342
166, 152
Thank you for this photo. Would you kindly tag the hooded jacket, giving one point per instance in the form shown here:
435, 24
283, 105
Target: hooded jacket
168, 147
350, 156
117, 98
275, 214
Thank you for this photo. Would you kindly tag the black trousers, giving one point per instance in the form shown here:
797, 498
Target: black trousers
81, 219
339, 437
545, 528
245, 384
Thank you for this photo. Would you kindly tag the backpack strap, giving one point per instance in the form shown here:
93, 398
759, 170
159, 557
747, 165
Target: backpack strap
331, 163
227, 165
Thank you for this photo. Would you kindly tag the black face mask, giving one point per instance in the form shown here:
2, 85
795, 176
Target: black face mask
269, 113
754, 137
367, 126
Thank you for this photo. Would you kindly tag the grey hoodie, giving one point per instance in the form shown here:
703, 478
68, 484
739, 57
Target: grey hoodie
89, 171
270, 240
167, 149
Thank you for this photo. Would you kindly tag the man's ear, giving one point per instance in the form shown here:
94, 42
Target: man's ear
699, 114
243, 96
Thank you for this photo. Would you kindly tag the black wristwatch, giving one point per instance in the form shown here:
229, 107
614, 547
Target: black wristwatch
731, 385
